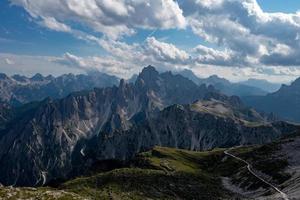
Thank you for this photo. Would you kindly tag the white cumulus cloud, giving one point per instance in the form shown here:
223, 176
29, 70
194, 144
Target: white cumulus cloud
238, 34
113, 18
165, 52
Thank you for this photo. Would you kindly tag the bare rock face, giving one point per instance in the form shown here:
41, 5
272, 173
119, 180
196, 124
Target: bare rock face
56, 138
5, 115
202, 125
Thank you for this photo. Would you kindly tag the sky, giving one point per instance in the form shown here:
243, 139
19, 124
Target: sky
235, 39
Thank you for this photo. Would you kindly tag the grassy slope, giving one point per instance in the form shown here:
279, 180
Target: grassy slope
162, 173
165, 173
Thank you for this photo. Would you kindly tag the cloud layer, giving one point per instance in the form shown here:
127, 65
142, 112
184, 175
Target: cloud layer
237, 34
113, 18
253, 36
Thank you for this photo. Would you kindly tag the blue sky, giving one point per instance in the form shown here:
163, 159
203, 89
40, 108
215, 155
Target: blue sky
286, 6
27, 37
173, 36
30, 38
20, 35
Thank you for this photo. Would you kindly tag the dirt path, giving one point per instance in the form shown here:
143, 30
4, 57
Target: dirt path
249, 167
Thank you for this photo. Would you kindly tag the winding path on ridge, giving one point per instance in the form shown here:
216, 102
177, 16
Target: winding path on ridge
249, 167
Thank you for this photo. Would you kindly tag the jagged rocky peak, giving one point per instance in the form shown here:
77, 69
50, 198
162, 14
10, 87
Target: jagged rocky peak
294, 87
37, 77
149, 72
20, 78
68, 76
188, 72
148, 75
122, 83
50, 77
3, 76
96, 74
124, 90
191, 75
214, 79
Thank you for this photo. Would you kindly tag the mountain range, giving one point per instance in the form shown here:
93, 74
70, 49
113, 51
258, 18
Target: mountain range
275, 100
58, 138
251, 87
17, 90
262, 84
283, 103
225, 86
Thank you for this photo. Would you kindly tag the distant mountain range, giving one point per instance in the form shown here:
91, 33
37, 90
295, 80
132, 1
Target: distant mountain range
228, 88
285, 102
17, 90
262, 84
55, 139
251, 87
